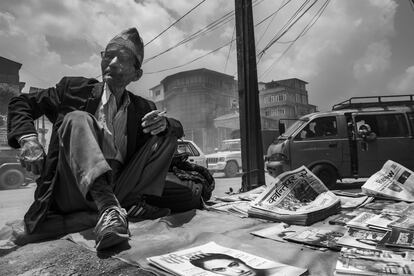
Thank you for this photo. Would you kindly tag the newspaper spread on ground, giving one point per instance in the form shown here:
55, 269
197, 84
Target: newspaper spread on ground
399, 238
405, 222
296, 194
393, 181
325, 236
209, 258
361, 238
248, 196
278, 231
382, 221
354, 261
352, 202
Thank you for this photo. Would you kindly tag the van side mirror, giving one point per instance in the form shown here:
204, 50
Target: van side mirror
282, 128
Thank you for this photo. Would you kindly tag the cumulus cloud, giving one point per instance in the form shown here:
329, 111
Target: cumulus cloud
375, 60
403, 83
348, 45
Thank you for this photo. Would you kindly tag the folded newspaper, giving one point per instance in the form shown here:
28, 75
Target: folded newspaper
393, 181
354, 261
296, 197
213, 259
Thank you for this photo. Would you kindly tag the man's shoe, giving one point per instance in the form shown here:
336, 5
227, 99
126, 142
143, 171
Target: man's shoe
112, 228
144, 211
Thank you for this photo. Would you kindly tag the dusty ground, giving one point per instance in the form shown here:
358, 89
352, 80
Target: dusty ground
61, 257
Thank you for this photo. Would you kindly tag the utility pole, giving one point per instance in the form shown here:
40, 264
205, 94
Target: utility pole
250, 128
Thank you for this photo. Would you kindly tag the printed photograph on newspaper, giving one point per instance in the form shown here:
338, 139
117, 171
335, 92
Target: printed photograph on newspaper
213, 259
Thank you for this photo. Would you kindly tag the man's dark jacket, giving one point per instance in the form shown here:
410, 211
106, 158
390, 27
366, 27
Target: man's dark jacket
70, 94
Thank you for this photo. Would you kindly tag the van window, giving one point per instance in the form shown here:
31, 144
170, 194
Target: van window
411, 120
320, 128
385, 125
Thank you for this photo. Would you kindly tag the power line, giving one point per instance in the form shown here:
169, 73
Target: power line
228, 54
287, 27
273, 13
301, 34
191, 61
201, 32
273, 16
175, 22
226, 18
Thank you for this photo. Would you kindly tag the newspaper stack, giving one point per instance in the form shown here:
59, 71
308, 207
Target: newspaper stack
296, 197
213, 259
355, 261
393, 181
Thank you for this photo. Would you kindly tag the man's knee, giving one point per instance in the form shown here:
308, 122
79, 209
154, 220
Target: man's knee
75, 120
76, 117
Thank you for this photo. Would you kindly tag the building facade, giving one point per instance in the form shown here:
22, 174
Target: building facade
196, 98
10, 85
284, 99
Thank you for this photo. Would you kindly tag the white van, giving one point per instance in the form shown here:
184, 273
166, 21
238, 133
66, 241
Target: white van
353, 140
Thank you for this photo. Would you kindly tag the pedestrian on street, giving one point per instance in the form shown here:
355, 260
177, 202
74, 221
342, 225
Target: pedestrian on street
109, 149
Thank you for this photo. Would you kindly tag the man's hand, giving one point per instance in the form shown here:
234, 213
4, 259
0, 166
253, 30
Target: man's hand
32, 155
154, 122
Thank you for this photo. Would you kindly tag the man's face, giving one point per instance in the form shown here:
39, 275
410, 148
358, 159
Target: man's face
118, 66
228, 267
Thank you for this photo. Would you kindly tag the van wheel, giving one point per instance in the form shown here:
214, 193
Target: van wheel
327, 174
231, 169
11, 179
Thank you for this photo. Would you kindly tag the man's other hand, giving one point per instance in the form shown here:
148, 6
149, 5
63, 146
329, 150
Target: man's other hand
154, 122
32, 155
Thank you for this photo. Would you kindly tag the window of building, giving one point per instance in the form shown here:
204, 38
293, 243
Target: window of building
157, 93
281, 97
298, 98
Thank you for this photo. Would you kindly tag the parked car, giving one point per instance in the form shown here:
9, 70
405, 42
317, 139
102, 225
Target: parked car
195, 154
226, 159
353, 140
12, 174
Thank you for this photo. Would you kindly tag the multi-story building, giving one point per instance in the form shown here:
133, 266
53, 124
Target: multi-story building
10, 86
9, 74
196, 98
284, 99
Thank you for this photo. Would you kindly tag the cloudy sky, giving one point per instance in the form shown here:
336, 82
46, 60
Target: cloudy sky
357, 47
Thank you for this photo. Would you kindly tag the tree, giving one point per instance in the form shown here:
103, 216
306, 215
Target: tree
7, 91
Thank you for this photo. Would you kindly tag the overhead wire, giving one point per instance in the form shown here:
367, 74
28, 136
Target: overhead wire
175, 22
228, 54
273, 16
255, 3
301, 34
191, 61
221, 21
201, 32
288, 25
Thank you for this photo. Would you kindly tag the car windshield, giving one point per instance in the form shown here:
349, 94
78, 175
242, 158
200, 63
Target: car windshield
297, 124
230, 146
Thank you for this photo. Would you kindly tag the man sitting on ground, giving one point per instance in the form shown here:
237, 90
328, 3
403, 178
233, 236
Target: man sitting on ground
108, 149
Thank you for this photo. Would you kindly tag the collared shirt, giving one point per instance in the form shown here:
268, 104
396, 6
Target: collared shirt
113, 123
